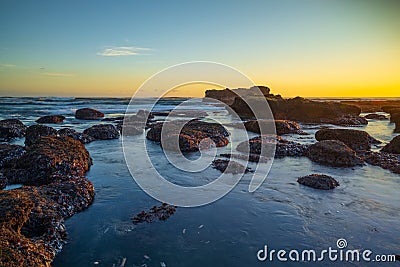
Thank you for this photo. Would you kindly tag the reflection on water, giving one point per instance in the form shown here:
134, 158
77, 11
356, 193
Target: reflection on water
364, 209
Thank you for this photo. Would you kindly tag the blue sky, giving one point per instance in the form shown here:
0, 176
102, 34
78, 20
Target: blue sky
110, 47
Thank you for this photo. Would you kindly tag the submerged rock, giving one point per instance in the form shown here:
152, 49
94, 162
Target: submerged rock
88, 114
355, 139
49, 159
393, 147
11, 128
34, 132
229, 166
350, 120
161, 213
333, 153
318, 181
374, 116
250, 157
31, 220
81, 137
193, 135
51, 119
382, 159
102, 132
264, 146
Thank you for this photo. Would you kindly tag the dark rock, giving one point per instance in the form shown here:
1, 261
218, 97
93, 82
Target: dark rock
34, 132
51, 119
288, 127
250, 157
283, 148
282, 127
227, 96
81, 137
88, 114
161, 213
395, 117
355, 139
31, 220
118, 119
193, 135
160, 113
350, 120
48, 159
393, 147
229, 166
374, 116
11, 128
333, 153
102, 132
382, 159
318, 181
391, 109
296, 109
3, 181
9, 154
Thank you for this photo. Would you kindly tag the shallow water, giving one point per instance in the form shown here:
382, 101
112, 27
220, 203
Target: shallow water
282, 214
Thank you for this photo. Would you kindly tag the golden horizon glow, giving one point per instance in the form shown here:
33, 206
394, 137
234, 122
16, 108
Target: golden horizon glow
329, 49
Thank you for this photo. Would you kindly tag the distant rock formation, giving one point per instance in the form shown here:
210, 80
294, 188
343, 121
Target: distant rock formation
228, 96
296, 109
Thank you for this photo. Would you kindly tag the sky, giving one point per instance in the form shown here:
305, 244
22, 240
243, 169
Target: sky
310, 48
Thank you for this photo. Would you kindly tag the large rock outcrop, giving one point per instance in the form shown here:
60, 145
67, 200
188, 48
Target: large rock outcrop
32, 227
296, 109
333, 153
228, 96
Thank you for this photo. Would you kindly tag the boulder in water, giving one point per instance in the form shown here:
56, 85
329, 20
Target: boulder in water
51, 119
88, 114
318, 181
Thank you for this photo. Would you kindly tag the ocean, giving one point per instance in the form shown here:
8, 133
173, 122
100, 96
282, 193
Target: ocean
281, 214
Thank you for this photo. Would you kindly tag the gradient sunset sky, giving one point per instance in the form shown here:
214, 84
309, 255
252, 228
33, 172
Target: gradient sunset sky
315, 48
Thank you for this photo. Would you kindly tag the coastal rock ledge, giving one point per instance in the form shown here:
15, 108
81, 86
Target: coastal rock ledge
32, 227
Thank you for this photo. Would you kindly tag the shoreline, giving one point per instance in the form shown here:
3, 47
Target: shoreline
352, 147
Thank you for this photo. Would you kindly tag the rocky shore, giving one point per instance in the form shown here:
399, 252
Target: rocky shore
51, 166
52, 163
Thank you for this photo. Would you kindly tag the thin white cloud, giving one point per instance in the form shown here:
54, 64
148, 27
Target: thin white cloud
123, 51
7, 65
55, 74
